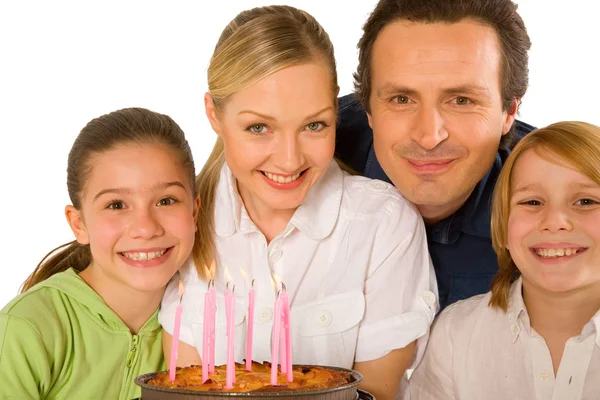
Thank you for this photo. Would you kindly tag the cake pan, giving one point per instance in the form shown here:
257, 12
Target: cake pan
349, 391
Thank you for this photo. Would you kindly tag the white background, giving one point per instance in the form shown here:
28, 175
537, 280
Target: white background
64, 63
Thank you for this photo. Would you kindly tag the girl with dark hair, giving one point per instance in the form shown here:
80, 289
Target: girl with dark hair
86, 323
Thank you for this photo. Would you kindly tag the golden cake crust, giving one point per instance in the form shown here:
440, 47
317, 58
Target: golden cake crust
258, 380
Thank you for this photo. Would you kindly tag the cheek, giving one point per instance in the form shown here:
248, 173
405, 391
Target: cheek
519, 226
320, 152
104, 232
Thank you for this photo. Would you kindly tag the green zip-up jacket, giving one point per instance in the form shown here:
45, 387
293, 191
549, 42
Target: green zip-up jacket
59, 340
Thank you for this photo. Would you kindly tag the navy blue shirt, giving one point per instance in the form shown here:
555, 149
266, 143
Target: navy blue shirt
461, 245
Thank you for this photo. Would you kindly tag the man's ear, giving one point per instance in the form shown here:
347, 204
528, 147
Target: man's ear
510, 117
370, 121
196, 210
211, 113
75, 220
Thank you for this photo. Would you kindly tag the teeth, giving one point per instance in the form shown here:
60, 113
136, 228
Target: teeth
281, 179
555, 253
141, 256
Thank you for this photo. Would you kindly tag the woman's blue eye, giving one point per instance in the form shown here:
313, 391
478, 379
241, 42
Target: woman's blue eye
257, 128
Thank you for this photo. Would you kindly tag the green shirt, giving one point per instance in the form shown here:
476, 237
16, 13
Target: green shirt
59, 340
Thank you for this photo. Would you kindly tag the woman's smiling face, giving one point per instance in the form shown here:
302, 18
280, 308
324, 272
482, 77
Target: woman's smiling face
279, 135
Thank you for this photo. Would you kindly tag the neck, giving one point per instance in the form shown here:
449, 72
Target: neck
133, 307
434, 213
562, 315
269, 221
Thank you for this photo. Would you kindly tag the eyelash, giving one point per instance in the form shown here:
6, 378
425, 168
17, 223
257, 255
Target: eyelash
111, 205
468, 100
593, 202
321, 123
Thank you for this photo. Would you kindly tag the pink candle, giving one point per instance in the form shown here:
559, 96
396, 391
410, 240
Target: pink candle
175, 338
206, 335
282, 348
230, 314
285, 305
212, 322
250, 334
275, 341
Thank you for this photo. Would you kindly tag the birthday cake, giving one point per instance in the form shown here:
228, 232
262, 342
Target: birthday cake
257, 380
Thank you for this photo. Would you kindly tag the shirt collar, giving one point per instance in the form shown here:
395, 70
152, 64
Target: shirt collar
315, 217
474, 216
519, 318
517, 312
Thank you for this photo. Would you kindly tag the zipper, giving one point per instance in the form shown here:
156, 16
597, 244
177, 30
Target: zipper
133, 351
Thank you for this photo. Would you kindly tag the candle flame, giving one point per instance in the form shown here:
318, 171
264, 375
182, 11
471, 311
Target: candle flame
246, 278
210, 270
276, 282
181, 291
227, 275
244, 274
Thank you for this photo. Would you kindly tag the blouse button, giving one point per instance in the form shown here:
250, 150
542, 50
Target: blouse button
324, 318
544, 375
429, 298
265, 315
276, 255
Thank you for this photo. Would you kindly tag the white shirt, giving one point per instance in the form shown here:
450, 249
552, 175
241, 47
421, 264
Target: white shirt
476, 352
355, 263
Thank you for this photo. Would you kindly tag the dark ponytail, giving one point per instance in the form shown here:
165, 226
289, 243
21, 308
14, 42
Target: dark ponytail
129, 125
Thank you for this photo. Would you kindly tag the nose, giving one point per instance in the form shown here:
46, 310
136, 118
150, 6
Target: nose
429, 130
145, 225
288, 154
556, 219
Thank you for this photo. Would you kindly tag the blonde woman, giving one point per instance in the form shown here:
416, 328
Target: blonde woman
276, 208
536, 334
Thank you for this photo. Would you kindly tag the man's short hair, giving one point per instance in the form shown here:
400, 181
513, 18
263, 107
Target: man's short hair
499, 14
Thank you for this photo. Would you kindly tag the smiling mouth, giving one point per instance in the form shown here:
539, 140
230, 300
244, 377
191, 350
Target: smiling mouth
558, 253
144, 256
281, 178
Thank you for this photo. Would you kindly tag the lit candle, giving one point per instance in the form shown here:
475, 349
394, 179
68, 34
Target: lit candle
250, 334
212, 323
282, 348
206, 335
287, 360
275, 341
175, 338
230, 316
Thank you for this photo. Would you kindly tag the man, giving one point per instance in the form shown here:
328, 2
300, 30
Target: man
436, 94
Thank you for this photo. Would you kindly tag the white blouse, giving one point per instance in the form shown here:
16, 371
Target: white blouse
476, 352
355, 263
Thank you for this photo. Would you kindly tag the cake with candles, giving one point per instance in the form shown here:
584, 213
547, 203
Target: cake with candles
256, 380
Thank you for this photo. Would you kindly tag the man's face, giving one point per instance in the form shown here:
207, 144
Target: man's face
436, 110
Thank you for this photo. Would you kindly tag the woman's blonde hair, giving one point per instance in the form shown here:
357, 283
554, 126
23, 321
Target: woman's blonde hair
255, 44
575, 144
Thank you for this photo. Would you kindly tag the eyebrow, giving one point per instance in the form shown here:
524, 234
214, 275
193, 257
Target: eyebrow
526, 188
128, 191
390, 89
270, 118
534, 186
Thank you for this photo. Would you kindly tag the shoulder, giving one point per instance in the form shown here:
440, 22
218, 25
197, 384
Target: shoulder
43, 305
373, 197
354, 136
460, 318
37, 309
